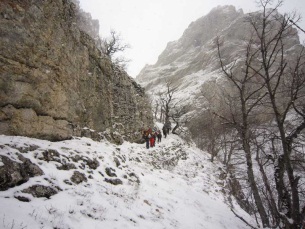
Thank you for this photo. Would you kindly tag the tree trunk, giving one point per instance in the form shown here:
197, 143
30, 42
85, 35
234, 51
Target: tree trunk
272, 203
252, 182
292, 201
175, 128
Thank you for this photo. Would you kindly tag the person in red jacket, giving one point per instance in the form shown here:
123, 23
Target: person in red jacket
152, 140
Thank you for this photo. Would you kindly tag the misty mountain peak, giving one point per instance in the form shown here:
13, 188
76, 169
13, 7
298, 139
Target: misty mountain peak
205, 28
192, 60
201, 31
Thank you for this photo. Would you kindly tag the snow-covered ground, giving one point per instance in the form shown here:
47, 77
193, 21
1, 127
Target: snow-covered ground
173, 185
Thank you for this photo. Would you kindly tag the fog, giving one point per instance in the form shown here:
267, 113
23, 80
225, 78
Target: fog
149, 25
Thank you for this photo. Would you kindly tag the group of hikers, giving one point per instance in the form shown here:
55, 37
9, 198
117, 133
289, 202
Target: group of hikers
150, 135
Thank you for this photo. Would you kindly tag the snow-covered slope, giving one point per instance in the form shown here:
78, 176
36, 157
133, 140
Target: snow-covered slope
173, 185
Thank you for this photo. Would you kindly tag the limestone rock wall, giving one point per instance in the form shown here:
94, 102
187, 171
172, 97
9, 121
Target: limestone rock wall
54, 81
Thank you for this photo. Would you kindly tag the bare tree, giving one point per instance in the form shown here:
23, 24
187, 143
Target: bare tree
285, 91
271, 82
179, 115
113, 45
167, 100
172, 109
247, 96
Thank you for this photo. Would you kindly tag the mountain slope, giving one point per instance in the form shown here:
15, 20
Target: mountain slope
195, 50
192, 61
173, 185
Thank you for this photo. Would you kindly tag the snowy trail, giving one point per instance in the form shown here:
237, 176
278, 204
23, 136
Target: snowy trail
185, 195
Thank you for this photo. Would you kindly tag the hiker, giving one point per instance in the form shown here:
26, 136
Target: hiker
164, 131
146, 136
159, 136
155, 137
168, 127
152, 140
149, 130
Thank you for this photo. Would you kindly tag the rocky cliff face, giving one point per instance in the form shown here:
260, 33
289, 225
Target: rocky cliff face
195, 51
192, 61
54, 81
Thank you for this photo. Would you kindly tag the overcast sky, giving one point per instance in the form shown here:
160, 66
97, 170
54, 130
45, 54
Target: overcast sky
148, 25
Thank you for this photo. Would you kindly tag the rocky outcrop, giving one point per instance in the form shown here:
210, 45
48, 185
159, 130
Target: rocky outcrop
54, 80
20, 161
78, 177
14, 173
40, 191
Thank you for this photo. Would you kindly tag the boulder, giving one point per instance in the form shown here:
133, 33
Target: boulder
40, 191
115, 181
78, 177
13, 173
